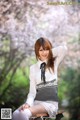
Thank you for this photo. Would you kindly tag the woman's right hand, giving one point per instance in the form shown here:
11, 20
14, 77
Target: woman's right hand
24, 106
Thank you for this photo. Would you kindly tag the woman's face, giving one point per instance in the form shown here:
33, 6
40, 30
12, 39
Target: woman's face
43, 53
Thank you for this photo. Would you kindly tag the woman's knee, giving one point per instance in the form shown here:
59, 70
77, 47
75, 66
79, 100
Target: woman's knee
27, 112
15, 115
23, 114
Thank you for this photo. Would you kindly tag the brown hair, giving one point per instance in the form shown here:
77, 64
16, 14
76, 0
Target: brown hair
46, 44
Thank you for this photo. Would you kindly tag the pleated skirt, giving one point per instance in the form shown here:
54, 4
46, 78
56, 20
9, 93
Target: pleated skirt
50, 106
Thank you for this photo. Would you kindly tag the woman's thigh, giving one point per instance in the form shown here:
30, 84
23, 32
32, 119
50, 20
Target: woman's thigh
37, 109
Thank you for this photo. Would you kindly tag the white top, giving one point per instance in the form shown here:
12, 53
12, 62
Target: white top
35, 72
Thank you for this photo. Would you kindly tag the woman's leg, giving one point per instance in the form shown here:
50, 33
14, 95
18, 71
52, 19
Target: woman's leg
29, 112
21, 115
37, 109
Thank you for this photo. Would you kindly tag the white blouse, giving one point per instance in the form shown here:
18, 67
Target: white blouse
35, 72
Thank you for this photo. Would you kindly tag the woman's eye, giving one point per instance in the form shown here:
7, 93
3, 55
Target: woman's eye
40, 50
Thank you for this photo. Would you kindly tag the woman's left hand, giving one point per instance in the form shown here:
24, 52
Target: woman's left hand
24, 106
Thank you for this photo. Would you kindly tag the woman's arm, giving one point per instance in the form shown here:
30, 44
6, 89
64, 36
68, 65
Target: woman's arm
32, 89
59, 52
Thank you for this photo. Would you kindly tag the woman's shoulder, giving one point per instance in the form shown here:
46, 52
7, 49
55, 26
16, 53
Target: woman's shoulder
33, 66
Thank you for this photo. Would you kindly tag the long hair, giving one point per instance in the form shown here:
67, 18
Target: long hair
46, 44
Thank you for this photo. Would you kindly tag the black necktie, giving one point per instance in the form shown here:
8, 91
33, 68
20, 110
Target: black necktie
42, 67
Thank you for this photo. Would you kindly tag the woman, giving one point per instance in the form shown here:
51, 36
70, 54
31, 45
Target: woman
42, 97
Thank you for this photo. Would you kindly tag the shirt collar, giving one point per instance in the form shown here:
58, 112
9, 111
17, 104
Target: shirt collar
39, 62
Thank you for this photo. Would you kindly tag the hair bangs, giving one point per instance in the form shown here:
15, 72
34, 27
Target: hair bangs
47, 45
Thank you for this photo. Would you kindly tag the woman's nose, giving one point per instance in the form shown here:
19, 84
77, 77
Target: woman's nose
44, 51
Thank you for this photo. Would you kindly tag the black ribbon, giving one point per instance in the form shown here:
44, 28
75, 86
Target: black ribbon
42, 67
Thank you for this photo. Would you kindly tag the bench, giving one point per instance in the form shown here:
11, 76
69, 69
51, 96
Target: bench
45, 116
